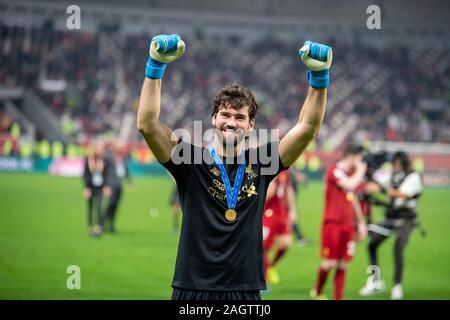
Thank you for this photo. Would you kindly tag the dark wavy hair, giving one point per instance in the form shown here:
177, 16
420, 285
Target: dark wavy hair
353, 150
237, 97
404, 160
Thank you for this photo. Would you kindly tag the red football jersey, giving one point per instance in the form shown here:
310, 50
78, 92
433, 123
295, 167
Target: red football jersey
277, 204
338, 202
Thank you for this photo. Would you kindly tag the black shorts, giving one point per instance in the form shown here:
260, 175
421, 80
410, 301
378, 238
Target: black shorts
188, 294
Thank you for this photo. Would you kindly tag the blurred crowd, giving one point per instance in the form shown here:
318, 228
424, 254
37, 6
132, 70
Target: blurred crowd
89, 81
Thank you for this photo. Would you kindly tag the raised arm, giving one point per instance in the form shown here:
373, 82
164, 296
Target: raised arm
297, 139
159, 137
351, 182
317, 58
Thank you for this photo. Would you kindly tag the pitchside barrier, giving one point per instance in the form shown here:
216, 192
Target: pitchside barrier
69, 167
435, 169
431, 159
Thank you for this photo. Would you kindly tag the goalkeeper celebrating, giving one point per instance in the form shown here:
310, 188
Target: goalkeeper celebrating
220, 252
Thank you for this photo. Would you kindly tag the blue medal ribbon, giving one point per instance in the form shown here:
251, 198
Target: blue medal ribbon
232, 194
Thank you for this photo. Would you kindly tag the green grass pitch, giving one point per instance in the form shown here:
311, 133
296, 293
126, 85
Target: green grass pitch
43, 231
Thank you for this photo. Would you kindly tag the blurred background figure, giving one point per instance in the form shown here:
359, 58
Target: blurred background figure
403, 186
341, 214
116, 173
95, 187
277, 224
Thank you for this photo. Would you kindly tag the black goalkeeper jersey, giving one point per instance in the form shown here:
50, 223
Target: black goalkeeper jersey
214, 253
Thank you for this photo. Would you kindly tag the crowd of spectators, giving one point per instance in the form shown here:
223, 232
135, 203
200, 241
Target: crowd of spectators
89, 81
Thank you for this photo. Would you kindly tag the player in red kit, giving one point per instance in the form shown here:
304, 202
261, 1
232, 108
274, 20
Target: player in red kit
338, 226
276, 223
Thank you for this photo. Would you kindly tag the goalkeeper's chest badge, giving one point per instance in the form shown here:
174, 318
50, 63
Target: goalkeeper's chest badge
215, 171
250, 173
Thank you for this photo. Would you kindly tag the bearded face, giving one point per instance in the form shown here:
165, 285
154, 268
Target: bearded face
232, 124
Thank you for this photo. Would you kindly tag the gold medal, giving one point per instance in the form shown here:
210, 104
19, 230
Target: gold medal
230, 215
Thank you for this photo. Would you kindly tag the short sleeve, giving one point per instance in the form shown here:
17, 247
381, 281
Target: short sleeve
269, 160
180, 158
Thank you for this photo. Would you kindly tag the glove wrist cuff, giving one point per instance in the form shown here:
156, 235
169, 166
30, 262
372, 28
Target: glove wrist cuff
318, 79
154, 69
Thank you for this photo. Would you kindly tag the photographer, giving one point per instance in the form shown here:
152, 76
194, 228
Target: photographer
404, 187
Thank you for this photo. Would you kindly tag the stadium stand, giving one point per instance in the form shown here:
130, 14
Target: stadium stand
90, 80
74, 85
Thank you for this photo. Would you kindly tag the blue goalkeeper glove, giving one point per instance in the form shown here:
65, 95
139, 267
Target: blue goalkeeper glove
163, 49
317, 58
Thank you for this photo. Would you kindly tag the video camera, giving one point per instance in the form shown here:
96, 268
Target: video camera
374, 161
